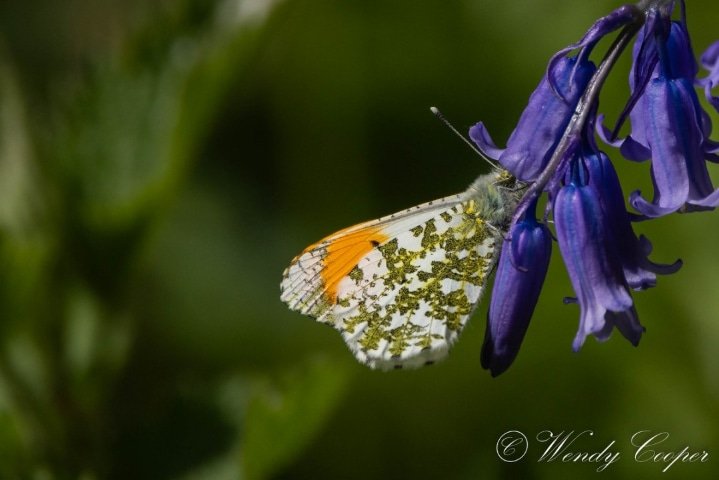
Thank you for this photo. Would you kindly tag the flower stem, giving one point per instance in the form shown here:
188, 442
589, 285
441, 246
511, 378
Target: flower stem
646, 5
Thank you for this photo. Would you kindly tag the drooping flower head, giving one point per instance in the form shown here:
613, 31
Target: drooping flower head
669, 126
552, 104
591, 258
554, 150
639, 272
517, 284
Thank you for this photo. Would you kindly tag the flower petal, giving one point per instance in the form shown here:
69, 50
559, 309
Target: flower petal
710, 62
629, 148
627, 322
648, 209
674, 139
544, 119
639, 271
593, 266
680, 56
480, 136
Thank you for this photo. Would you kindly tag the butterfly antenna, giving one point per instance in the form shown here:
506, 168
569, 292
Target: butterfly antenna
476, 150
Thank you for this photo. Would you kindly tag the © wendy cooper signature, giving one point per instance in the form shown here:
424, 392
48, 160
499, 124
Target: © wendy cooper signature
647, 447
645, 442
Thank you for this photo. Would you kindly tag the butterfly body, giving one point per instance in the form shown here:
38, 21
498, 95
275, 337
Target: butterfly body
401, 288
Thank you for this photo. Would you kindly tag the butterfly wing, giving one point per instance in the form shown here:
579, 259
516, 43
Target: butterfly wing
399, 289
309, 284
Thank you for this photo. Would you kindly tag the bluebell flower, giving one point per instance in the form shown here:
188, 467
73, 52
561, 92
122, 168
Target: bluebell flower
521, 272
543, 121
591, 255
668, 123
553, 149
552, 103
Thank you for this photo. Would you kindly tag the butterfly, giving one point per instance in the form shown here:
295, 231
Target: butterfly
401, 288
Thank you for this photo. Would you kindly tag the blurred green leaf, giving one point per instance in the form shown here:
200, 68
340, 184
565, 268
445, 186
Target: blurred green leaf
286, 415
134, 128
25, 243
20, 195
12, 455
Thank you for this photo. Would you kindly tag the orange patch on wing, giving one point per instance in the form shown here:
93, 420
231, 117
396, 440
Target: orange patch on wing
344, 253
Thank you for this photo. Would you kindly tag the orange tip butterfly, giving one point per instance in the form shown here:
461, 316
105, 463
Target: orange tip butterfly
401, 288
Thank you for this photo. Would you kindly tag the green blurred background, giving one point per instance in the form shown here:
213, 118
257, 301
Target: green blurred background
162, 161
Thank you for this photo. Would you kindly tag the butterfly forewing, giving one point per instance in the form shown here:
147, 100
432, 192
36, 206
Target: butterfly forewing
309, 284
